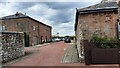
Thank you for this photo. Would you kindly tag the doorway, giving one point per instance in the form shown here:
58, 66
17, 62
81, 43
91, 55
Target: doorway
34, 40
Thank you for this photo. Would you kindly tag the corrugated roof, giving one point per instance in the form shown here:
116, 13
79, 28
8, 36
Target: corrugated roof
100, 6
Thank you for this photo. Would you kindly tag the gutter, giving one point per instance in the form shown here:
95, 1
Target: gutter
98, 10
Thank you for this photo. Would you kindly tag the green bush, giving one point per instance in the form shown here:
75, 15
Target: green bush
96, 38
104, 42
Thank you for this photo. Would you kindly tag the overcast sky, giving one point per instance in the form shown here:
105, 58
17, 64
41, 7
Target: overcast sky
59, 14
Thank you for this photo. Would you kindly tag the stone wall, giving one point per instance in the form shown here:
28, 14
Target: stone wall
103, 24
12, 45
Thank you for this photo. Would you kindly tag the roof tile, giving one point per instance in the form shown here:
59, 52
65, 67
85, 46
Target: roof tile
105, 5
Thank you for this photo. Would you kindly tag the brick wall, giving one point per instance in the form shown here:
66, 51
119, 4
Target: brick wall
37, 32
45, 33
12, 45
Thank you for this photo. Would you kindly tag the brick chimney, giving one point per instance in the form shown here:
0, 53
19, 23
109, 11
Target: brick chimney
17, 14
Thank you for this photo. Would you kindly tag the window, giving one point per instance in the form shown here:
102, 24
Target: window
2, 28
34, 27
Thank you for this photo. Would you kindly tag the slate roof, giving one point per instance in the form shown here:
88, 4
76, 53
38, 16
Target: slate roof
106, 6
20, 15
100, 7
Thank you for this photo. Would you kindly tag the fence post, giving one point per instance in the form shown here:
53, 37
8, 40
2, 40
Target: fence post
87, 52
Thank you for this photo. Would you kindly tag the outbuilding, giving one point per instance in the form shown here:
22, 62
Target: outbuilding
100, 19
35, 31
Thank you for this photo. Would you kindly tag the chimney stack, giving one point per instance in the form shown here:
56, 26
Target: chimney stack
25, 13
17, 14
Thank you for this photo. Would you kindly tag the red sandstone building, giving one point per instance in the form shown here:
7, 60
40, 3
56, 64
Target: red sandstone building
100, 19
37, 32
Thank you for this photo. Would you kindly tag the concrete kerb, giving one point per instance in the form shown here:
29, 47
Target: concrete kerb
70, 55
40, 45
65, 54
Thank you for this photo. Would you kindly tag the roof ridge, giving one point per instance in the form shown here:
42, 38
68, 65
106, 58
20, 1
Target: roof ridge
21, 15
105, 5
16, 15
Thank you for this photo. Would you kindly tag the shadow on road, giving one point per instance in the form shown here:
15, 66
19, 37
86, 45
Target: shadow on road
28, 53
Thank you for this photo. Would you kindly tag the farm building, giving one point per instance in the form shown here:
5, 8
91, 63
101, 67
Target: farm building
101, 19
35, 31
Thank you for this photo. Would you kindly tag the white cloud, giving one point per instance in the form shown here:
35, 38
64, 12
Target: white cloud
64, 29
6, 8
61, 16
42, 12
50, 0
